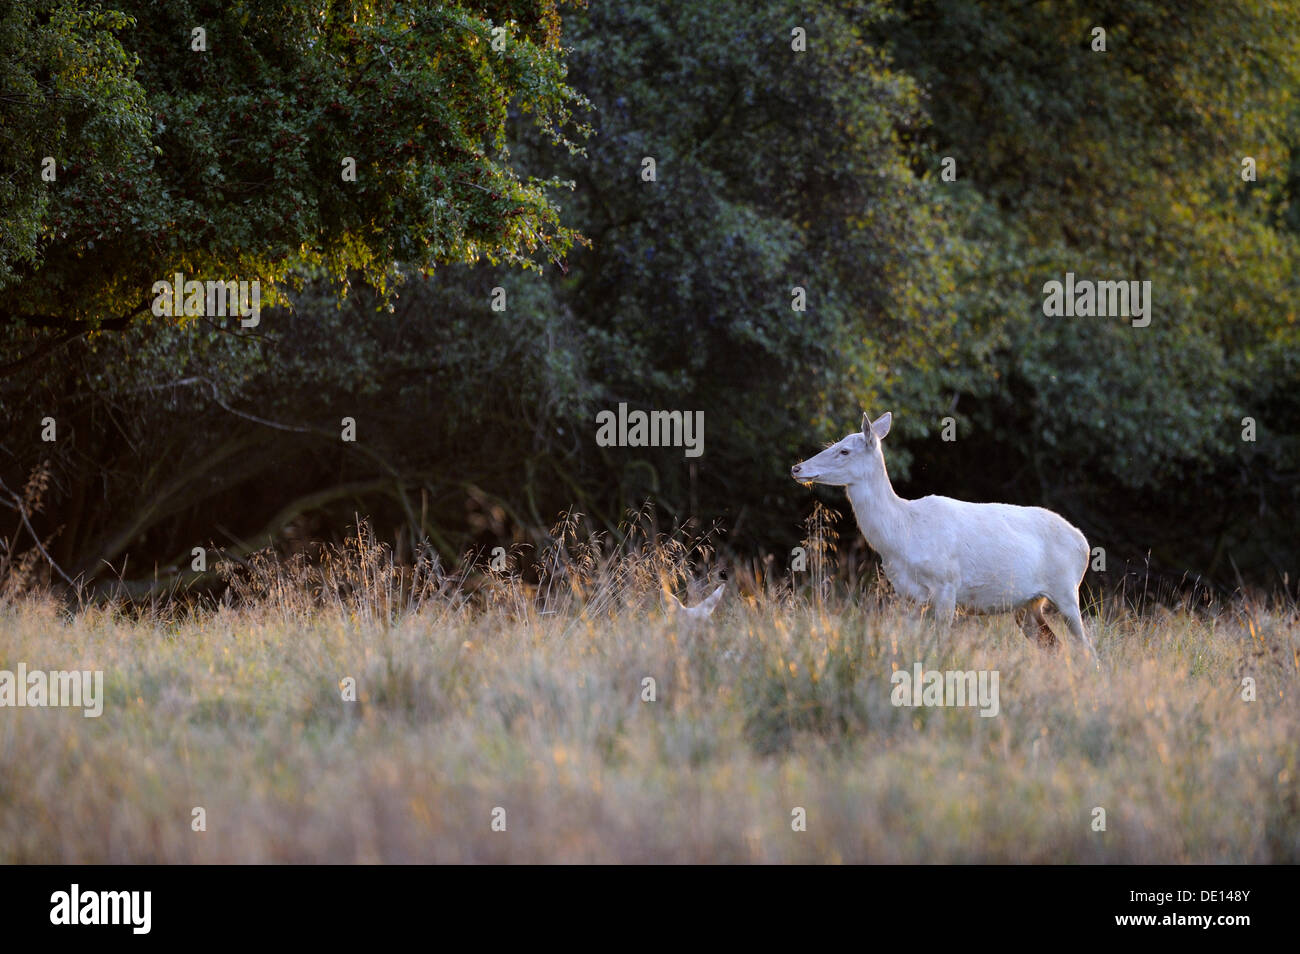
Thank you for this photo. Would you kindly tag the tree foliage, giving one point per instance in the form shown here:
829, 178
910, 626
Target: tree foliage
775, 169
221, 156
1126, 165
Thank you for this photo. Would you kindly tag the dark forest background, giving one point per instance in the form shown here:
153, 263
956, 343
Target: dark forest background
518, 165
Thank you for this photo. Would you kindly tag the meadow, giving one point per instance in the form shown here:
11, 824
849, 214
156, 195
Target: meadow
476, 692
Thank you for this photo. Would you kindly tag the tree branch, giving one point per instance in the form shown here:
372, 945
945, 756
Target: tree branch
71, 331
22, 514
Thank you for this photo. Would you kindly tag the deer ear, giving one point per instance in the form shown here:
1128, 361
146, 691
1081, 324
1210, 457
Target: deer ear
866, 424
880, 426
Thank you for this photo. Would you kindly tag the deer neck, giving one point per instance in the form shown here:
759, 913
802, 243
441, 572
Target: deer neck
883, 516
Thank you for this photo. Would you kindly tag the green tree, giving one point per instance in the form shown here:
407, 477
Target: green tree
1124, 164
68, 89
776, 168
221, 155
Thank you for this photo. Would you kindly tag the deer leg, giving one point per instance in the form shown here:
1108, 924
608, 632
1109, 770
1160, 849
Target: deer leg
1033, 623
1074, 621
944, 604
1046, 638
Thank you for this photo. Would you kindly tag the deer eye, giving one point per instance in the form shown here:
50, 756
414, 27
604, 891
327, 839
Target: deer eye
843, 452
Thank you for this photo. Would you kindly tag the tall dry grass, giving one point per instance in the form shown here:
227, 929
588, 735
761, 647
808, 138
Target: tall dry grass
477, 692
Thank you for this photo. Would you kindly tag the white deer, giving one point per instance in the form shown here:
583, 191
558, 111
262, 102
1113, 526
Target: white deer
986, 557
700, 611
